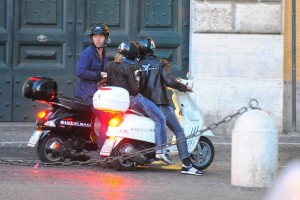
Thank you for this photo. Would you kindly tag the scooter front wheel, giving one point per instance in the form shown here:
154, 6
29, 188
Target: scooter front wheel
123, 148
47, 149
203, 154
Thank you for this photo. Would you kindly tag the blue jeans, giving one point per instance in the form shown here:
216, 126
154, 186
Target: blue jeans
156, 115
174, 125
103, 118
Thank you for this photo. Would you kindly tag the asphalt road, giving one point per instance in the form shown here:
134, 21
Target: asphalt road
158, 181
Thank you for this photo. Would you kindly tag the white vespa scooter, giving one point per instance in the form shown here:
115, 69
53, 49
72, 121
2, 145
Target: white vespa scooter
131, 132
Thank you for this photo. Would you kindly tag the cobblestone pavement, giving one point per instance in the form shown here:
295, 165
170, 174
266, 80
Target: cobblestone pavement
158, 181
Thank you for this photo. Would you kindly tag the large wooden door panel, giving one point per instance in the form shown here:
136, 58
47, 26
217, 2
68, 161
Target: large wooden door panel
6, 17
44, 46
167, 22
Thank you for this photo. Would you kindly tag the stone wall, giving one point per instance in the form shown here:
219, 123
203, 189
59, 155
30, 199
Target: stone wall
236, 54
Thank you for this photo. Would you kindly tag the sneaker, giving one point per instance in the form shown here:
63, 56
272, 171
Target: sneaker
191, 170
165, 158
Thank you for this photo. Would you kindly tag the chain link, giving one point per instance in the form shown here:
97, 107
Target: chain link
195, 132
226, 119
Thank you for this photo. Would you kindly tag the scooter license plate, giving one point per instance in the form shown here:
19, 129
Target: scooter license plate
107, 147
34, 138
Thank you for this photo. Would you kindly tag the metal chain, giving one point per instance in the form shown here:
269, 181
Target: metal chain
195, 132
253, 104
215, 125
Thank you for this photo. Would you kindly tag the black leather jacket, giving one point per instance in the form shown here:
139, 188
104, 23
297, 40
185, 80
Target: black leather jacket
122, 75
155, 76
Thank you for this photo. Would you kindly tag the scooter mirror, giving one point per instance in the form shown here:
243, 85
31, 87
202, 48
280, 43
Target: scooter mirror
189, 75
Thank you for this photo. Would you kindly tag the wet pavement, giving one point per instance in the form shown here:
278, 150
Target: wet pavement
158, 181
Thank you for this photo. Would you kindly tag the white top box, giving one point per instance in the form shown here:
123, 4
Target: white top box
110, 98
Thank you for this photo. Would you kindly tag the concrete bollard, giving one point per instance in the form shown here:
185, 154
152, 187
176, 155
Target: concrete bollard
254, 150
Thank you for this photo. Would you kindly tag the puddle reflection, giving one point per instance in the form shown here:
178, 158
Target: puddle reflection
89, 184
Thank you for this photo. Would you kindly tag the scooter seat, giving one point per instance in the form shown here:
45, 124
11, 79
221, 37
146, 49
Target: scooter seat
74, 104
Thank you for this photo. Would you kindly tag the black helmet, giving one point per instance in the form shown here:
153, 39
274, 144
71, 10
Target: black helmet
99, 29
147, 45
129, 49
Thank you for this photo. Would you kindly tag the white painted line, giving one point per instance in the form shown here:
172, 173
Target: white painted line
21, 142
13, 144
222, 143
289, 143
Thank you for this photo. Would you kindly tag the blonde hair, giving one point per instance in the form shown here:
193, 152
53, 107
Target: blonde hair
118, 57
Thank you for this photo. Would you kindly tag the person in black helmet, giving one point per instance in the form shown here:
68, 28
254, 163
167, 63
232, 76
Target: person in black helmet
91, 69
121, 74
155, 77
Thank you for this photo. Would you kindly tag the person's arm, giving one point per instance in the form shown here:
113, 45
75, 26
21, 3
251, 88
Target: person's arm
131, 80
83, 68
169, 80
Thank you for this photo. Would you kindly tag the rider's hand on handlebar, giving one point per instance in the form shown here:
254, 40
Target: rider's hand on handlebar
102, 83
189, 89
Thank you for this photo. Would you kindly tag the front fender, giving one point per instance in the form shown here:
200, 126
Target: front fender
36, 137
208, 133
45, 132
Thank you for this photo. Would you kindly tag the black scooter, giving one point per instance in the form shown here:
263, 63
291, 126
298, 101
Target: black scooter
63, 131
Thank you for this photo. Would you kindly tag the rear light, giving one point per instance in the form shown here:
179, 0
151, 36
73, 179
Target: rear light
67, 119
105, 88
32, 78
116, 121
112, 138
53, 96
42, 114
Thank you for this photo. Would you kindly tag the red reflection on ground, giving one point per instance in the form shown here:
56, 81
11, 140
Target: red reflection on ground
108, 185
118, 187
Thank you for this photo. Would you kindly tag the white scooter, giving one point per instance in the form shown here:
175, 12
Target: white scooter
130, 131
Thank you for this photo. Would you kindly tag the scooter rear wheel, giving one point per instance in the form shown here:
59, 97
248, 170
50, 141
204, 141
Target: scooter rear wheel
123, 148
203, 154
45, 152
